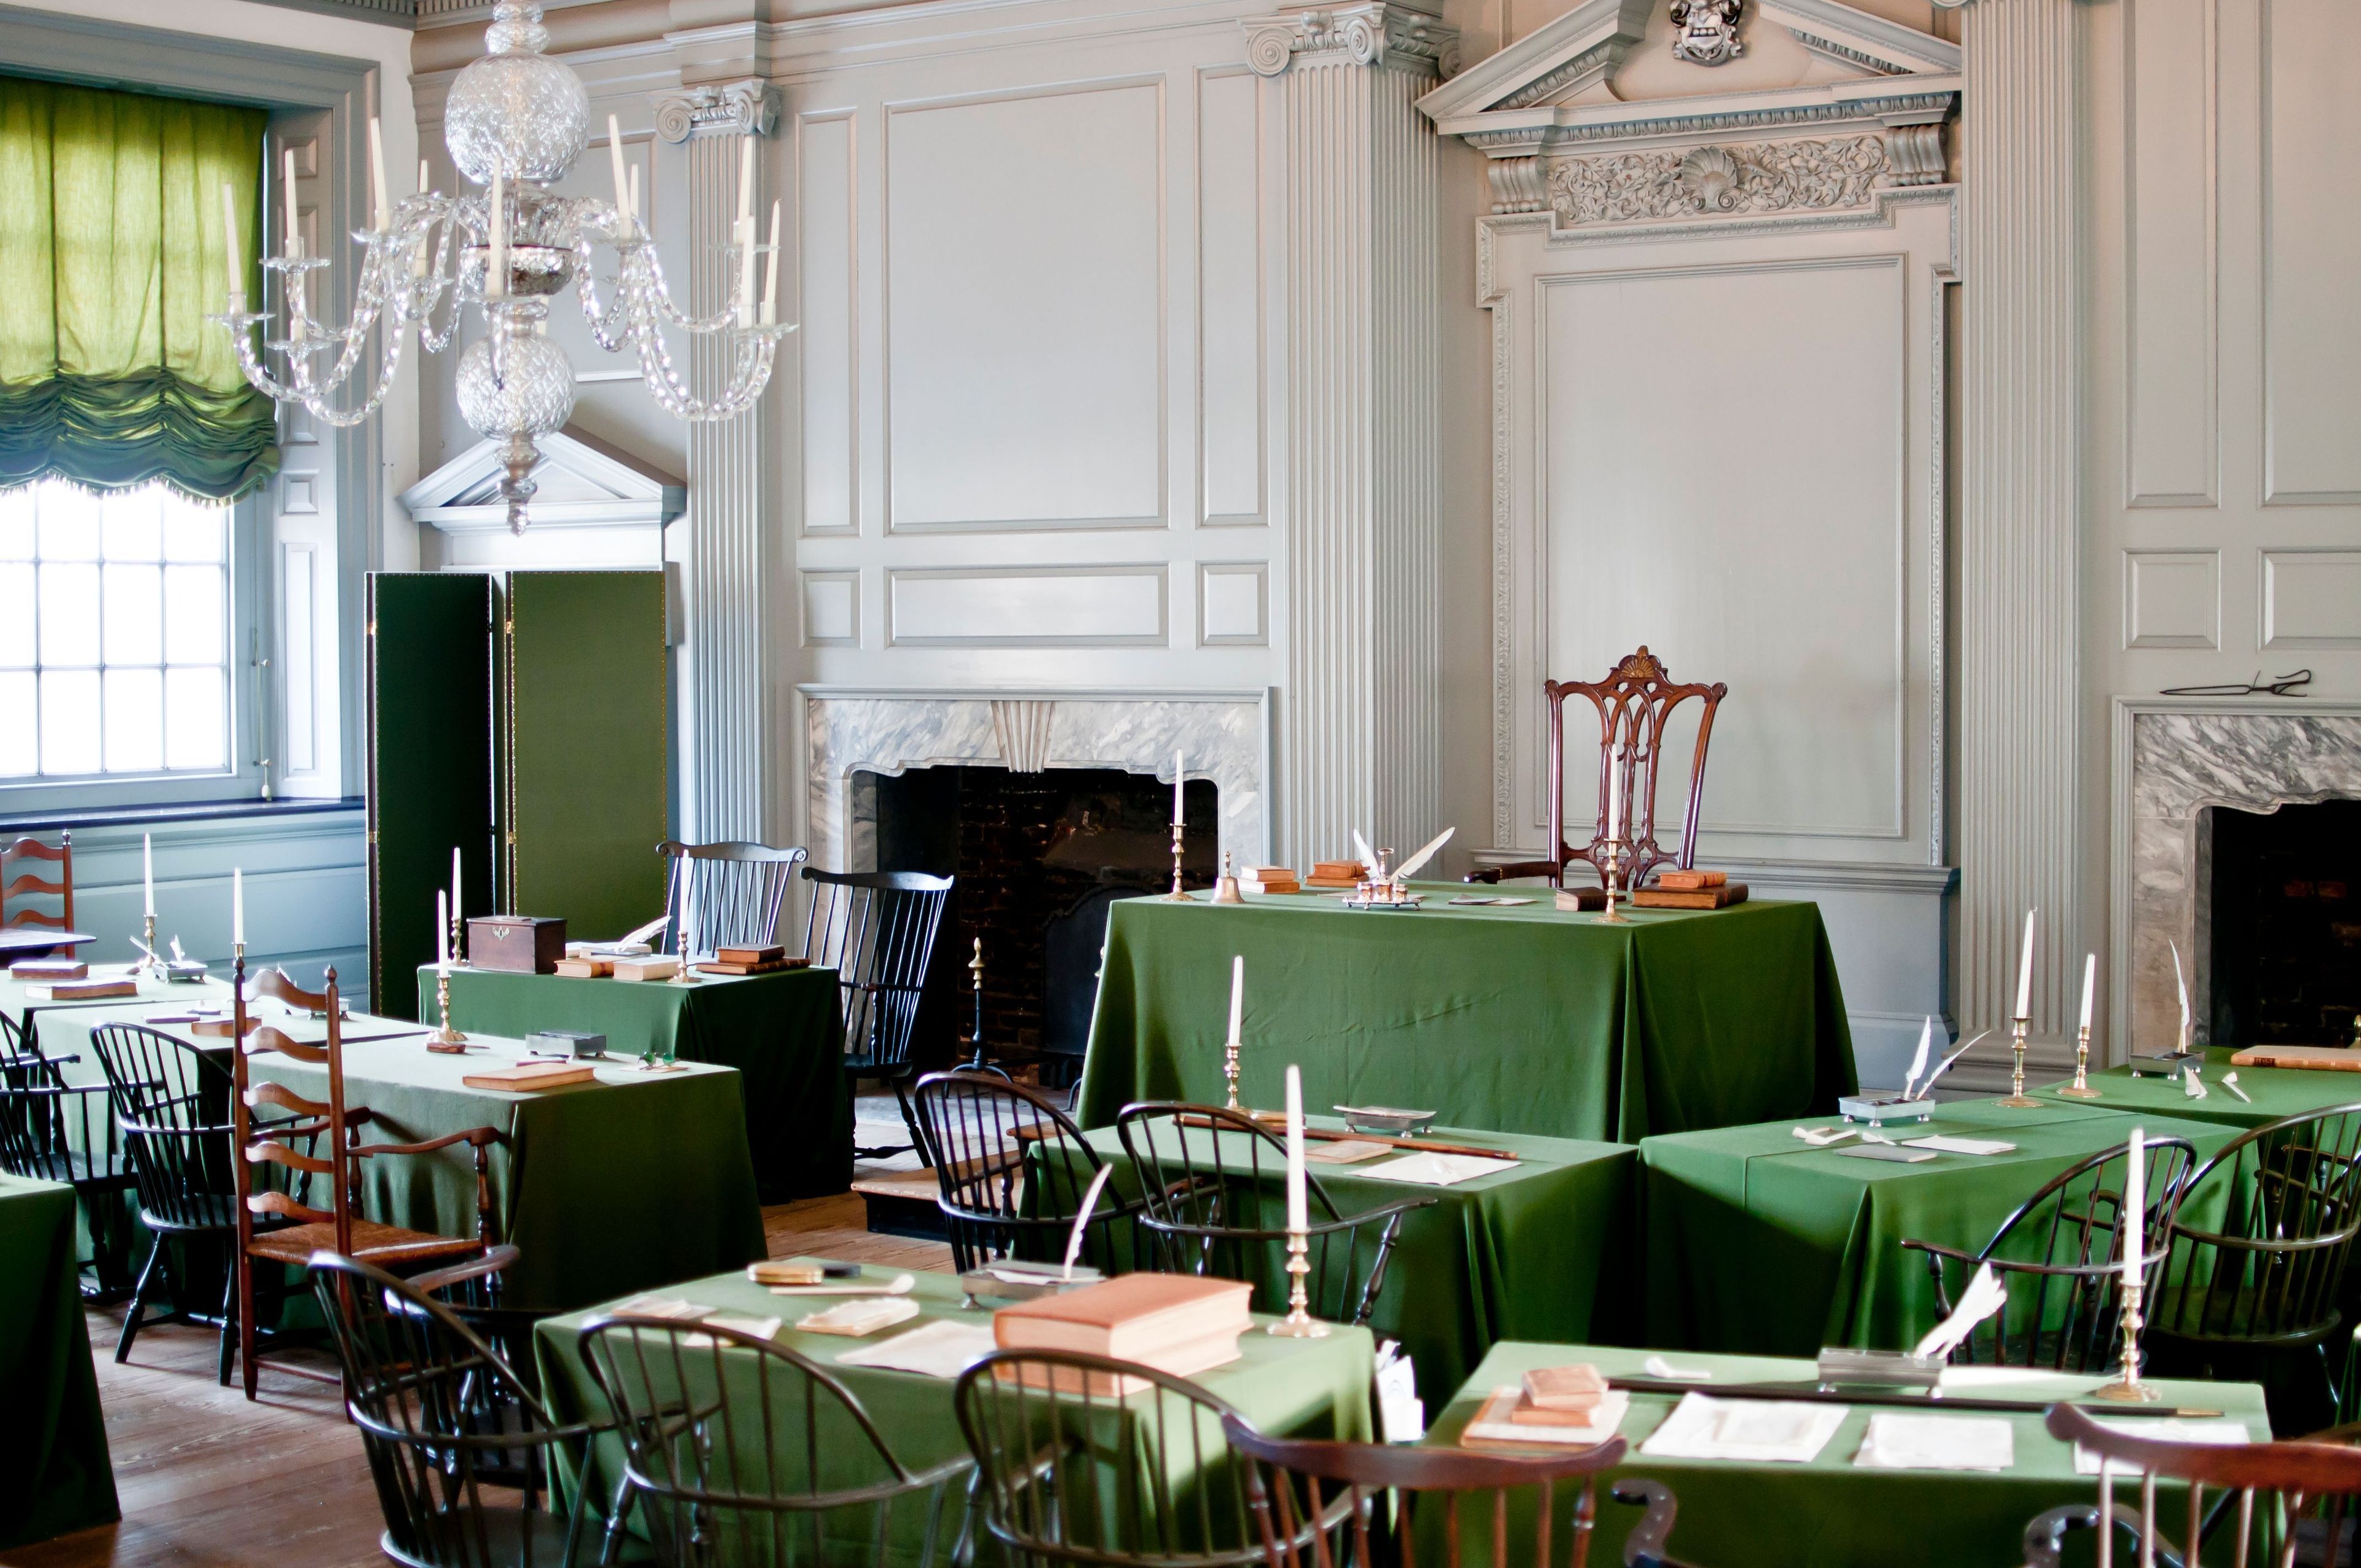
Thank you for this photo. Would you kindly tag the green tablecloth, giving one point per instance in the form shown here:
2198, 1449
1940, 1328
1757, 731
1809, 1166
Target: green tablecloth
780, 1031
17, 1002
1758, 1242
1540, 1251
1524, 1019
2274, 1092
609, 1187
1830, 1513
1316, 1388
55, 1475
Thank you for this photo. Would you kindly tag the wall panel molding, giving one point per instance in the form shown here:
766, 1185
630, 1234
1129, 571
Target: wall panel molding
1233, 442
1115, 606
2173, 241
2172, 598
1233, 604
2311, 599
827, 342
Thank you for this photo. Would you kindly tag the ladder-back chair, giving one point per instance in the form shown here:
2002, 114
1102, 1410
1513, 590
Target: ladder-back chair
1213, 1182
19, 884
54, 1131
1633, 704
2061, 1258
876, 930
1011, 1170
2275, 1504
290, 1145
735, 891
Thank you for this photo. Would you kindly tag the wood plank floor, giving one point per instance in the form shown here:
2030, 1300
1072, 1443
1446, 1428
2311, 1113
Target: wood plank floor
207, 1479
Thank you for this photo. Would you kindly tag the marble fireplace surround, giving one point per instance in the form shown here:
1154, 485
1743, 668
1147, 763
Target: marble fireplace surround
2174, 757
845, 729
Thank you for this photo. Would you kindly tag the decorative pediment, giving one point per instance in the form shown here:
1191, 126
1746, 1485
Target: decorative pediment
582, 483
1549, 65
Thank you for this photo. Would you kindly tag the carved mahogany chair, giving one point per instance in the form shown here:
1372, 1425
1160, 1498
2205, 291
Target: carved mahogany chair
1010, 1169
876, 931
1633, 704
1319, 1504
24, 884
290, 1145
2275, 1504
735, 891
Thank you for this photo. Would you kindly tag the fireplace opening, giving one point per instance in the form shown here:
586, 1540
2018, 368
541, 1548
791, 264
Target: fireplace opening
2285, 916
1038, 859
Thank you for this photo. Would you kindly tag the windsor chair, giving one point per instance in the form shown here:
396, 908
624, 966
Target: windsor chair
876, 930
735, 891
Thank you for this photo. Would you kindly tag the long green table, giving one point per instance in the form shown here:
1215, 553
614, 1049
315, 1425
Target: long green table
2274, 1092
55, 1475
1315, 1387
1526, 1019
781, 1032
1829, 1512
1758, 1242
608, 1187
1543, 1252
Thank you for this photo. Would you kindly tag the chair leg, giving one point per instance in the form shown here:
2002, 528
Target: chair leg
910, 1121
231, 1317
241, 1269
139, 1301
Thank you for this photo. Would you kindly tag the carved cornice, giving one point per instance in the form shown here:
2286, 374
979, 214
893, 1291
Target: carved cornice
1917, 106
1372, 34
1714, 182
728, 108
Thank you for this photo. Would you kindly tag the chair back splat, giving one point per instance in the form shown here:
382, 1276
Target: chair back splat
2061, 1256
1011, 1170
735, 891
876, 930
741, 1453
1212, 1184
18, 884
54, 1131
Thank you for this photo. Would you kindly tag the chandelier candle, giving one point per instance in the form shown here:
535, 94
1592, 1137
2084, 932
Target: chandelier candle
381, 212
615, 162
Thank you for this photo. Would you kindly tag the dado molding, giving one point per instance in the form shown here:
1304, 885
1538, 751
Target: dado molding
1372, 35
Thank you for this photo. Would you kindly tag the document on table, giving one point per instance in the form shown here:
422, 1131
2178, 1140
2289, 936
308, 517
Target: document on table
1901, 1442
1436, 1170
1343, 1151
1754, 1431
1941, 1145
941, 1349
2160, 1429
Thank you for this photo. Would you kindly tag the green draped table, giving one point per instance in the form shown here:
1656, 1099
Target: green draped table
608, 1187
1830, 1512
18, 1004
1542, 1251
781, 1032
1526, 1018
2274, 1092
1312, 1388
55, 1475
1757, 1242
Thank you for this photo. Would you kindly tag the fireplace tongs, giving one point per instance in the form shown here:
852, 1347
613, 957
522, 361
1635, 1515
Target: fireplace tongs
2284, 687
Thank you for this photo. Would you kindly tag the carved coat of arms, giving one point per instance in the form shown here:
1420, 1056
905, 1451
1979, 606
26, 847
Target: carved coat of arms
1704, 32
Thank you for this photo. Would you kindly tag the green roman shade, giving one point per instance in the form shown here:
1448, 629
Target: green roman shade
111, 257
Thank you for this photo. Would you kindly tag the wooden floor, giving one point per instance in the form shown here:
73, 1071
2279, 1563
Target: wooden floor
207, 1478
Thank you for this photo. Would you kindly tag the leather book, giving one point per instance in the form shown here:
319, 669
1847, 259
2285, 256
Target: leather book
586, 969
741, 967
658, 967
1720, 897
526, 1077
769, 954
1183, 1360
2318, 1059
1689, 882
82, 990
1133, 1317
48, 969
1574, 1388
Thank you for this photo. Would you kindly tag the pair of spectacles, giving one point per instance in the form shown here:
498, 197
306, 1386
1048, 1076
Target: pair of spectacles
2285, 686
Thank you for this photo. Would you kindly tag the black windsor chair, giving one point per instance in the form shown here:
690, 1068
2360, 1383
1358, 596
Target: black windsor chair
876, 930
2060, 1256
735, 891
1011, 1170
54, 1131
743, 1452
1212, 1185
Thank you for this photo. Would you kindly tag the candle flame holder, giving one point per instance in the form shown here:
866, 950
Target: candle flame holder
1616, 851
1230, 1073
2081, 1088
151, 961
2017, 1099
2127, 1388
1298, 1324
445, 1038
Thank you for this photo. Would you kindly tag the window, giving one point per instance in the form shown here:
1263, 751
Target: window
114, 635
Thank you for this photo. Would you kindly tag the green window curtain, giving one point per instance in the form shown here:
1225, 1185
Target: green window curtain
111, 257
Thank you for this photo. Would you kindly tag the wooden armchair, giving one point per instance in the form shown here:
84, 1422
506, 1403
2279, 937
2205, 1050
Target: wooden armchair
1634, 702
291, 1144
16, 886
735, 888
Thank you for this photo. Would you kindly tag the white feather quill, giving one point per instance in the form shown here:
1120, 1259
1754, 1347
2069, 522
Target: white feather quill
1368, 856
1409, 867
1918, 1060
1927, 1088
1985, 1296
2187, 1032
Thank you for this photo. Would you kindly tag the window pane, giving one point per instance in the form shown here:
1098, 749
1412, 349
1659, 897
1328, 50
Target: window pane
70, 721
193, 719
134, 529
134, 619
17, 621
18, 703
134, 721
192, 615
16, 523
69, 523
68, 614
192, 532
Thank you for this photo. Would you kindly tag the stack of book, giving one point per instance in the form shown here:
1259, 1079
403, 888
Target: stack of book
584, 966
1690, 889
1556, 1407
48, 969
750, 960
656, 966
1270, 878
1334, 874
1174, 1323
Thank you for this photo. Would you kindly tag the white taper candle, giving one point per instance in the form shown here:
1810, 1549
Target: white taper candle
771, 273
291, 240
455, 882
2135, 1216
237, 906
1615, 796
2090, 985
615, 162
1296, 1211
441, 930
746, 182
147, 872
2025, 972
1180, 776
1237, 994
384, 218
496, 270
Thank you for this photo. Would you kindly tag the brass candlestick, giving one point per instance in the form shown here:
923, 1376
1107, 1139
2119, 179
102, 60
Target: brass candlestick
1230, 1072
2017, 1099
2128, 1390
150, 962
2081, 1088
1298, 1324
459, 953
1179, 894
1614, 852
446, 1036
682, 976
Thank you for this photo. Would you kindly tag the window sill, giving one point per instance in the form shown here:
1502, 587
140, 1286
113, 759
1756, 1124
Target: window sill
194, 811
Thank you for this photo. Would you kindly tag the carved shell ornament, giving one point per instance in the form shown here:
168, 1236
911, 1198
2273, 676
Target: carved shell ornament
1704, 32
1710, 176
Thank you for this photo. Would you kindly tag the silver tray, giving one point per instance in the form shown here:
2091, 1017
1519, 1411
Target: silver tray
987, 1283
1384, 1118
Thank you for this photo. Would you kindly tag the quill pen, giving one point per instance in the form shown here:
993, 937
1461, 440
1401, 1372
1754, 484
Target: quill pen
642, 933
1918, 1060
1928, 1086
1985, 1296
1083, 1217
2181, 980
1368, 856
1403, 872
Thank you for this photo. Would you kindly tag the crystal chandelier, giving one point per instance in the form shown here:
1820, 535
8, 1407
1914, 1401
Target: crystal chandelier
516, 121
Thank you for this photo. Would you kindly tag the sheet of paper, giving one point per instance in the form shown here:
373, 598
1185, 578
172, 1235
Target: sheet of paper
859, 1319
1754, 1431
1942, 1144
1344, 1153
1977, 1379
944, 1348
761, 1328
1894, 1152
1428, 1170
1896, 1441
661, 1307
2162, 1429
